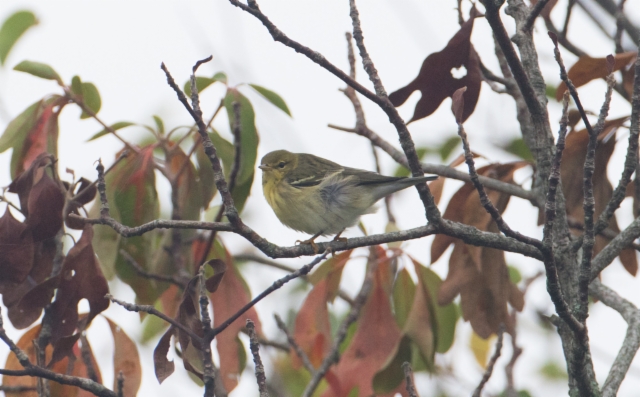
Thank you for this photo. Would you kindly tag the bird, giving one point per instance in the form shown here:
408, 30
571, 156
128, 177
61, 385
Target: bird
316, 196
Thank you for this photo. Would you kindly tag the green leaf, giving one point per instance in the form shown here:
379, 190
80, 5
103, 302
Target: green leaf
446, 316
19, 127
12, 29
91, 99
404, 290
272, 97
514, 274
447, 147
221, 77
76, 86
519, 148
204, 82
550, 91
115, 126
391, 375
159, 124
248, 143
39, 70
553, 371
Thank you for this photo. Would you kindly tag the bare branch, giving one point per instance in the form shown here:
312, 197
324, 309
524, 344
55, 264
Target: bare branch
254, 346
408, 378
491, 364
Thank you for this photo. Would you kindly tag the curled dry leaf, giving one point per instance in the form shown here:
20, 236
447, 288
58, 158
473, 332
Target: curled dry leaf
79, 194
479, 274
587, 68
435, 80
80, 278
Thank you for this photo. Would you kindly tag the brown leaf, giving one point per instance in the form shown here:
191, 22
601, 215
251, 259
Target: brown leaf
375, 339
435, 81
331, 270
457, 104
571, 173
219, 269
587, 68
479, 274
80, 278
24, 182
28, 309
163, 367
46, 201
125, 360
81, 193
628, 76
16, 249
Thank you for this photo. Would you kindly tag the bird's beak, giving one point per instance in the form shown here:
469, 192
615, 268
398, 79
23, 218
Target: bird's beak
263, 167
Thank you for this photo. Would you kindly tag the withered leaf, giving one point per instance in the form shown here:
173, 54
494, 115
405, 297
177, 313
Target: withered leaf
23, 183
80, 278
571, 173
587, 68
162, 366
125, 360
16, 249
46, 201
479, 274
435, 81
81, 193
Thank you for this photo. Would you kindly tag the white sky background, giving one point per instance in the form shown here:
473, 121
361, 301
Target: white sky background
119, 45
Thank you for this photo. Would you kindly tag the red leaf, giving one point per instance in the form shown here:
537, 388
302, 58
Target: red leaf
125, 360
232, 294
374, 341
312, 329
435, 81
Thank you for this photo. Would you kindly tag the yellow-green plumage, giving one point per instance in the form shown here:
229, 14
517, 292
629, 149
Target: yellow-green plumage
317, 196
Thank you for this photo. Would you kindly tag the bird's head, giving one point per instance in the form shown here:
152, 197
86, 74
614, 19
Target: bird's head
276, 165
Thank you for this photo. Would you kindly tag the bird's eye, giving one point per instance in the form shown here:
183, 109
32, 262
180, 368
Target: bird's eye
281, 164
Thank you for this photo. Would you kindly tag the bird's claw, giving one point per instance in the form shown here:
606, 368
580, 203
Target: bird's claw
311, 242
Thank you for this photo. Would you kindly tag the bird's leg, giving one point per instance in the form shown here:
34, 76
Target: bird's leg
338, 238
311, 242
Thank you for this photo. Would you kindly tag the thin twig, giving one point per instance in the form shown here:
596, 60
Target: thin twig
153, 311
408, 378
254, 346
207, 357
489, 370
120, 384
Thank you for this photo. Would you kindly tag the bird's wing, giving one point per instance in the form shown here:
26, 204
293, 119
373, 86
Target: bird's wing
316, 169
367, 177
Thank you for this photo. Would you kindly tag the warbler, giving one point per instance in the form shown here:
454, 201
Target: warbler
319, 197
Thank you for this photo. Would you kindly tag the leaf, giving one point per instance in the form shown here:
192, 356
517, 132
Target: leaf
518, 147
587, 69
39, 70
12, 29
375, 339
116, 126
159, 124
16, 249
132, 195
447, 147
435, 81
552, 371
571, 174
125, 360
33, 132
163, 367
404, 290
478, 274
91, 99
391, 376
331, 270
312, 330
445, 317
275, 99
248, 142
480, 348
80, 278
204, 82
231, 295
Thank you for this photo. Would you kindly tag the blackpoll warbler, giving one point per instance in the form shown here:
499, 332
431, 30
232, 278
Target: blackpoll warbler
319, 197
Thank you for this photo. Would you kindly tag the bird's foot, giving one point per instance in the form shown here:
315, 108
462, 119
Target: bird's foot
338, 238
311, 242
